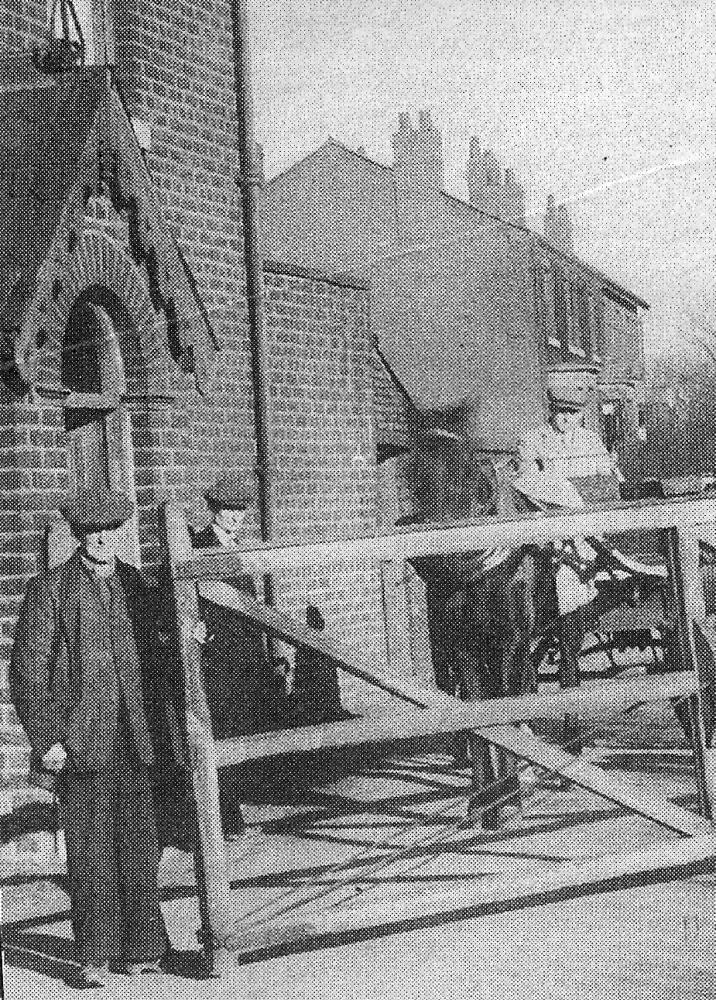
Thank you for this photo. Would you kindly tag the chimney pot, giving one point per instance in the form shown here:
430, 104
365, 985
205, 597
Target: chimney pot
424, 121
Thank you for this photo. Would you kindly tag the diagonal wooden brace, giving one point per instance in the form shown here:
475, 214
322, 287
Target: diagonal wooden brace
595, 780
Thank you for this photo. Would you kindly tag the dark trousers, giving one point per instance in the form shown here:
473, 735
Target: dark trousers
495, 777
113, 864
572, 629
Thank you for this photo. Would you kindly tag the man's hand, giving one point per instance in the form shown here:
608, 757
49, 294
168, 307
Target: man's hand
200, 633
54, 759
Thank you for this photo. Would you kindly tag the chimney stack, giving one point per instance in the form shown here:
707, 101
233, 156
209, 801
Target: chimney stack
558, 226
490, 189
419, 175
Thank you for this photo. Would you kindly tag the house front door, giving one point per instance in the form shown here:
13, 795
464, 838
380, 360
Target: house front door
99, 439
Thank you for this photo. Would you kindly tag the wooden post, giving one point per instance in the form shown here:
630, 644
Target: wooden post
212, 876
683, 556
395, 614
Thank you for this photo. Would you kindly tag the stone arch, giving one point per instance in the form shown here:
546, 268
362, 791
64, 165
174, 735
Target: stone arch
91, 359
118, 335
102, 273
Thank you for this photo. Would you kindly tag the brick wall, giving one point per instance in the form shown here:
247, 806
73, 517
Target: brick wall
34, 479
22, 25
325, 450
394, 411
173, 63
326, 471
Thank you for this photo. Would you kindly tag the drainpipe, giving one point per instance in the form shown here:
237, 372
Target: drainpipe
249, 182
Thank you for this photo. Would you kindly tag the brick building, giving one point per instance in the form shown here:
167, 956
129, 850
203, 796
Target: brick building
468, 304
123, 326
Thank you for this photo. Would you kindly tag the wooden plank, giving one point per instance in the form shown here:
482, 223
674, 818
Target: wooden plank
447, 715
215, 866
691, 596
622, 694
395, 617
282, 626
211, 864
582, 773
466, 536
683, 560
672, 859
104, 401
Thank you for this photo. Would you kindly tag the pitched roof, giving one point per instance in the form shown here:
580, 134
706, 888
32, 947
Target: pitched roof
39, 156
329, 144
51, 129
357, 155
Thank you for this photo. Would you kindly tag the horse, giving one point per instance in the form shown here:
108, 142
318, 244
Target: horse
482, 614
493, 616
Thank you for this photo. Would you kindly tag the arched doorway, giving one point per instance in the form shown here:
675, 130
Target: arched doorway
99, 438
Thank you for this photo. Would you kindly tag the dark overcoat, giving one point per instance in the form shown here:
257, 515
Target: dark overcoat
238, 679
62, 676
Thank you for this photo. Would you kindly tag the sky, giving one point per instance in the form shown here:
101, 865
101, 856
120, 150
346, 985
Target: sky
610, 106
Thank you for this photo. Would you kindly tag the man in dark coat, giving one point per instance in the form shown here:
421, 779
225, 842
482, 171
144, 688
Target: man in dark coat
235, 662
94, 701
316, 688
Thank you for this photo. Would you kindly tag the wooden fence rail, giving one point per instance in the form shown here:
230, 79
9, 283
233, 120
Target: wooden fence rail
464, 536
453, 715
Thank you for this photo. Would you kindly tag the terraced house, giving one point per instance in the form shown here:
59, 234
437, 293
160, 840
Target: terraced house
469, 305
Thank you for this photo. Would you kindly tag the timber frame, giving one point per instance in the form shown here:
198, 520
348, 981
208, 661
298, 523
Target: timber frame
203, 575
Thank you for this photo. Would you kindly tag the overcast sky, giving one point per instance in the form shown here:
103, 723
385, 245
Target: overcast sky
607, 105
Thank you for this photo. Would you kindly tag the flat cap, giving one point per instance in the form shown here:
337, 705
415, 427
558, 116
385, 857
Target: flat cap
571, 385
92, 510
231, 492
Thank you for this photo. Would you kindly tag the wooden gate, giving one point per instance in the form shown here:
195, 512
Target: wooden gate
202, 574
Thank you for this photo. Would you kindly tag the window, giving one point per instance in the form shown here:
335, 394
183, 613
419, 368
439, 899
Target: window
562, 308
593, 333
582, 331
613, 424
599, 338
545, 304
572, 329
98, 429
